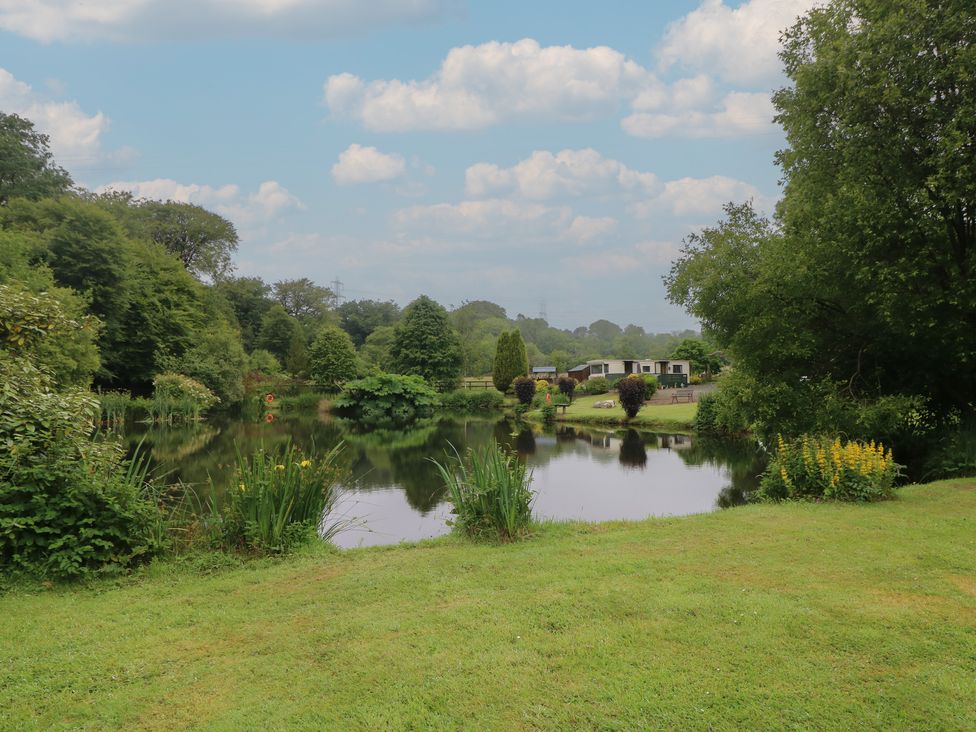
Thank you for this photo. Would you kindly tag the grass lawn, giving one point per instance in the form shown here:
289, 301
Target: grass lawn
762, 617
680, 417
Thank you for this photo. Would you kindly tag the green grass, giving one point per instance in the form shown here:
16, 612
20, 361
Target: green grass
679, 417
797, 616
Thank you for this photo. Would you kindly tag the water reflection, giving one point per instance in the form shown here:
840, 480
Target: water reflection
394, 491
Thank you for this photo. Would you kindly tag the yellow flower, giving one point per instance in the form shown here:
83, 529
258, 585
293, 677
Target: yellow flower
242, 487
305, 463
279, 467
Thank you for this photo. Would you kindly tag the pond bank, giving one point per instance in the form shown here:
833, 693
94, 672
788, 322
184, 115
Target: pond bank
721, 621
671, 417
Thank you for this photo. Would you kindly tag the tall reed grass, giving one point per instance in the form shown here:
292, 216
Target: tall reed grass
489, 489
114, 406
279, 498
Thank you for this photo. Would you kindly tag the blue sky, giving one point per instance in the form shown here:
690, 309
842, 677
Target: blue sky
524, 153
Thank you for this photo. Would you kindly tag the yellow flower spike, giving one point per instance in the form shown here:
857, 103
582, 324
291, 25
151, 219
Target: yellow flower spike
279, 467
242, 487
305, 463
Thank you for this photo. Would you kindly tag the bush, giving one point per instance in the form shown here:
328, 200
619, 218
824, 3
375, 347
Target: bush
332, 359
632, 392
489, 490
386, 400
541, 386
524, 389
263, 362
280, 500
650, 384
178, 397
549, 413
68, 505
567, 386
816, 467
705, 417
599, 385
469, 401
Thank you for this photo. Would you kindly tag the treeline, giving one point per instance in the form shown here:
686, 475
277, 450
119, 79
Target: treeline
153, 282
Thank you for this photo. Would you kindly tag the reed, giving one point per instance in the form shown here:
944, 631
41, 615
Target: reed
114, 406
489, 489
279, 498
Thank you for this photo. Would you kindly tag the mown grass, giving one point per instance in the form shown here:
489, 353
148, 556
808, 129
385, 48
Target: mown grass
678, 417
794, 616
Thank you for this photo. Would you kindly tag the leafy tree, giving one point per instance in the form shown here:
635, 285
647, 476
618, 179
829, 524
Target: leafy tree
26, 165
359, 318
425, 344
632, 392
250, 299
332, 358
283, 336
510, 360
216, 359
697, 352
304, 300
202, 240
376, 349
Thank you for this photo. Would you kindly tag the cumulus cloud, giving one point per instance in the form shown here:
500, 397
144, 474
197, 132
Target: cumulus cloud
738, 113
737, 44
603, 263
586, 229
140, 20
699, 197
358, 164
478, 86
545, 175
489, 218
269, 201
76, 137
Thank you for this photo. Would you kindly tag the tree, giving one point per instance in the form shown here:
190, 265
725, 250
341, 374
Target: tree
425, 344
202, 240
510, 360
698, 353
632, 392
282, 335
303, 299
332, 358
26, 164
376, 349
249, 298
359, 318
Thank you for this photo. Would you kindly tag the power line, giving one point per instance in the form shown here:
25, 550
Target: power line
336, 291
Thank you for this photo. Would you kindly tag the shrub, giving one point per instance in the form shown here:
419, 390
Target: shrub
632, 392
68, 505
281, 498
599, 385
705, 417
178, 397
650, 384
469, 401
386, 400
524, 389
541, 386
263, 362
489, 490
567, 386
816, 467
549, 413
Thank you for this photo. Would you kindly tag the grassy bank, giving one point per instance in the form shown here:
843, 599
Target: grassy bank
786, 617
674, 417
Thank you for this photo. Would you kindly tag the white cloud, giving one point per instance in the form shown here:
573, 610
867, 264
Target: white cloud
76, 137
269, 201
495, 217
139, 20
657, 252
478, 86
358, 164
586, 229
544, 175
737, 44
739, 113
699, 197
601, 264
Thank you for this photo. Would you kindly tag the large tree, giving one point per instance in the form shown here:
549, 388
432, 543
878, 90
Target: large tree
27, 168
864, 286
283, 336
250, 299
332, 358
510, 360
425, 344
359, 318
303, 299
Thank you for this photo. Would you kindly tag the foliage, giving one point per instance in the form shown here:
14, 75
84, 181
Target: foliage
303, 300
359, 318
425, 344
548, 411
817, 467
954, 456
249, 299
26, 166
386, 400
632, 393
524, 389
472, 401
650, 384
332, 358
216, 359
283, 336
376, 349
599, 385
701, 355
510, 360
114, 407
281, 498
489, 490
177, 396
567, 387
263, 362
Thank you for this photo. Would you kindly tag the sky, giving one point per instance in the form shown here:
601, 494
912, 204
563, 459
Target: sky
549, 156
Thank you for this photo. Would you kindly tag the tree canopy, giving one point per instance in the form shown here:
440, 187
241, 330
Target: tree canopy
425, 344
27, 168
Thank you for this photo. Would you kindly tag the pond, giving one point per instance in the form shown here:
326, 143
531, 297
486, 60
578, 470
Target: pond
394, 494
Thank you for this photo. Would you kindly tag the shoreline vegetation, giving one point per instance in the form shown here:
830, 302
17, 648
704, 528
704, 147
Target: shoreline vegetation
670, 417
721, 621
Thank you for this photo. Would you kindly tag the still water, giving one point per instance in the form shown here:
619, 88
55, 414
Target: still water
394, 493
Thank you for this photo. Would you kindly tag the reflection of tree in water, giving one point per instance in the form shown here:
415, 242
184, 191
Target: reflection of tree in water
633, 454
525, 442
744, 460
